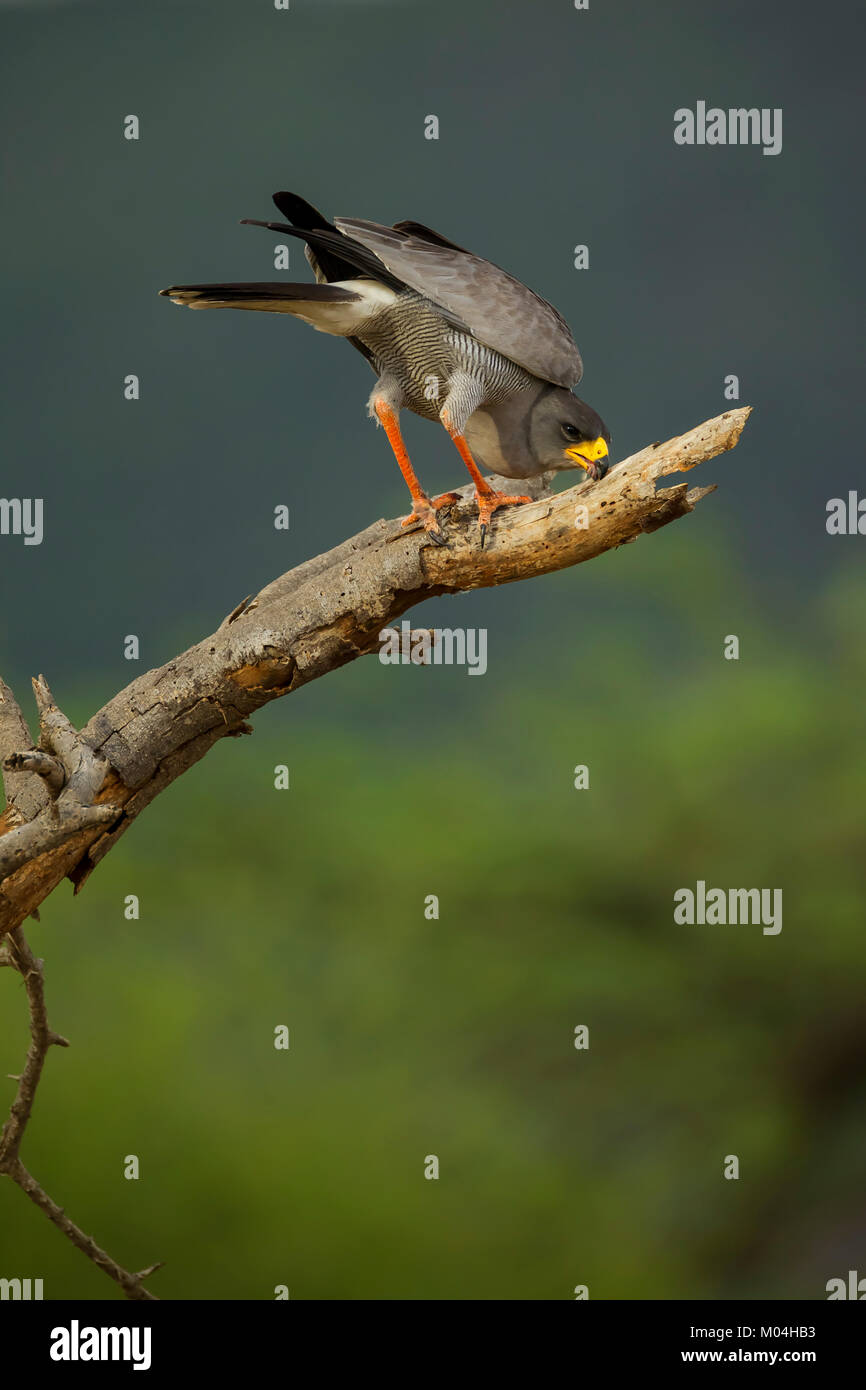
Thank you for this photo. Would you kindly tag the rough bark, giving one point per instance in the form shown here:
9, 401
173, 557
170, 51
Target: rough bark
308, 622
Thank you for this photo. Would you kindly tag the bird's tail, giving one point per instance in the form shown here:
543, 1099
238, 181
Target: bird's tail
276, 297
335, 308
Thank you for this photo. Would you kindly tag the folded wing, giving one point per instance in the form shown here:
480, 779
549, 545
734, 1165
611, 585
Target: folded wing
500, 312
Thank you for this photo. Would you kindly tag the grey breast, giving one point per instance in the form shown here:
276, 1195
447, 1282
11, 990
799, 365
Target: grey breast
416, 345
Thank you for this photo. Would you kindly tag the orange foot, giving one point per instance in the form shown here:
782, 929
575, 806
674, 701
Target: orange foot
488, 502
424, 509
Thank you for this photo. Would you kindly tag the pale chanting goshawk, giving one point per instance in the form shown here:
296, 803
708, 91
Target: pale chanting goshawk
450, 336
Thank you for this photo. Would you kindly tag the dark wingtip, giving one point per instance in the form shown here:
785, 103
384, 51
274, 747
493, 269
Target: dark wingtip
299, 212
271, 226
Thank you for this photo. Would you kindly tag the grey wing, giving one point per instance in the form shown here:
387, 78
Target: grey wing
499, 311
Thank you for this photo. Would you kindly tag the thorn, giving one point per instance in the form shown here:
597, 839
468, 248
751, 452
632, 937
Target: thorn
151, 1269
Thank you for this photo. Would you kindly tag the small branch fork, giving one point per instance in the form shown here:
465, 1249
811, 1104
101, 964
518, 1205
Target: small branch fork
71, 774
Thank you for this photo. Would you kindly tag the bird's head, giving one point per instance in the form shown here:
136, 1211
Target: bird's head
565, 432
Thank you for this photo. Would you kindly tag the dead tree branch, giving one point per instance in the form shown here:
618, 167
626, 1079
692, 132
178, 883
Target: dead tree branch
73, 796
308, 622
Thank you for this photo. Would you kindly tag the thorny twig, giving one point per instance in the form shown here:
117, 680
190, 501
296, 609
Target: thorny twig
15, 952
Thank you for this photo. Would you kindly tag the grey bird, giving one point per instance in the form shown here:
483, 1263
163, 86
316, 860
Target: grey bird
450, 336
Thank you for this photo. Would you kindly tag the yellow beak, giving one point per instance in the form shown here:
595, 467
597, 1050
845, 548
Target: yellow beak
591, 452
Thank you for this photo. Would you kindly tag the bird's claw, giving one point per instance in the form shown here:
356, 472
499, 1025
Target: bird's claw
488, 502
424, 510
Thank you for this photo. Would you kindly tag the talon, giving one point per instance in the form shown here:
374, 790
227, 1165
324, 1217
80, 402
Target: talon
424, 510
488, 502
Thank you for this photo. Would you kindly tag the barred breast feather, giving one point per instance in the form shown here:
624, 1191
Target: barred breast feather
411, 342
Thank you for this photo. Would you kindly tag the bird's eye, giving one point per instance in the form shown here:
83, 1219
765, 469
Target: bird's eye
571, 431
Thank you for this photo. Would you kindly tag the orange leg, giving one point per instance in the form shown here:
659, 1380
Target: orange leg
423, 508
488, 498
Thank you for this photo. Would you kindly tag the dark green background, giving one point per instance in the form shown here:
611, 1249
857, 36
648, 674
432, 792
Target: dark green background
305, 907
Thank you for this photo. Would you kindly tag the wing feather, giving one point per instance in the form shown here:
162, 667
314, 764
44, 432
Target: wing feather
500, 311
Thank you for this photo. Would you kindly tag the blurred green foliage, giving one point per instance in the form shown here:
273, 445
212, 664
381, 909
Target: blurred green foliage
454, 1036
